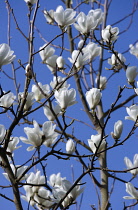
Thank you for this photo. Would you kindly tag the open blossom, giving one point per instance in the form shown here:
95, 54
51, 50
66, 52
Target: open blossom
55, 180
6, 54
38, 95
78, 58
134, 49
64, 17
49, 15
70, 146
103, 82
12, 145
31, 1
37, 137
132, 191
65, 97
2, 132
52, 63
93, 50
130, 165
109, 34
131, 73
46, 52
93, 97
95, 141
132, 111
7, 100
113, 61
17, 171
48, 112
86, 23
57, 82
118, 127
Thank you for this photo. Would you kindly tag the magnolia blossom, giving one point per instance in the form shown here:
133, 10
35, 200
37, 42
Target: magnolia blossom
31, 1
12, 145
57, 82
109, 34
86, 23
36, 89
7, 100
93, 50
95, 141
132, 112
80, 44
65, 97
113, 61
64, 17
130, 165
134, 49
2, 132
37, 137
6, 54
70, 146
29, 100
48, 112
132, 191
55, 180
60, 62
52, 63
103, 82
79, 59
46, 52
131, 73
49, 15
60, 191
93, 97
17, 171
118, 127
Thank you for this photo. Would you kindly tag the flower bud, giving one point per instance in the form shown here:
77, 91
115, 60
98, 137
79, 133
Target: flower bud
60, 62
118, 127
70, 146
131, 73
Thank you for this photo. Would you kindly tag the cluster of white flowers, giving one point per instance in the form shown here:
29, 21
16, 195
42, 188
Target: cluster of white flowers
109, 34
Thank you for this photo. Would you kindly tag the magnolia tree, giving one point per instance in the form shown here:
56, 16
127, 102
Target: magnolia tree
64, 108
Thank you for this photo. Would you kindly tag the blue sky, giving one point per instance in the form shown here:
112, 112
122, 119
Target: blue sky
118, 10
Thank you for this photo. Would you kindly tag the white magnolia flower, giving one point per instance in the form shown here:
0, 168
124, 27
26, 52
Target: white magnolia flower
48, 112
80, 44
131, 73
95, 141
12, 145
78, 59
93, 50
64, 17
60, 62
103, 82
38, 95
118, 127
60, 191
57, 82
93, 97
132, 112
86, 23
109, 34
30, 1
70, 146
17, 171
37, 137
2, 132
132, 191
134, 49
52, 63
6, 54
130, 165
29, 100
55, 180
49, 15
46, 52
7, 100
43, 199
113, 61
65, 97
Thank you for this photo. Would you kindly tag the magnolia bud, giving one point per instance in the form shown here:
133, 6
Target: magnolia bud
70, 146
118, 127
